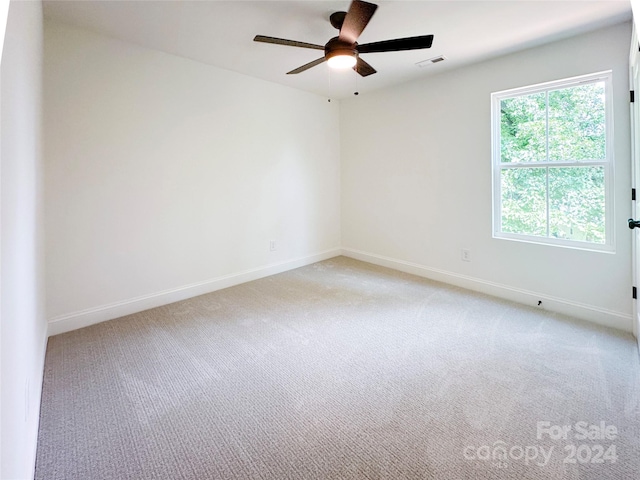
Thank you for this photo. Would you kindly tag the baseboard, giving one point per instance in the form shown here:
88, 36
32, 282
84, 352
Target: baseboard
37, 402
591, 313
636, 330
84, 318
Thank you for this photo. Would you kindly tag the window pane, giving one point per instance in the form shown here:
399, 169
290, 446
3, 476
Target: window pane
524, 201
576, 203
576, 123
523, 128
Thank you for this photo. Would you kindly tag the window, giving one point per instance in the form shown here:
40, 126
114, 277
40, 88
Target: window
553, 163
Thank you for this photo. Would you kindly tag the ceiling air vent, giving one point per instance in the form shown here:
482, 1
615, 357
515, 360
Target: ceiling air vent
426, 63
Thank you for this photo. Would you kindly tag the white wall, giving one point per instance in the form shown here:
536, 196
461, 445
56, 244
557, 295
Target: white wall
635, 7
416, 183
167, 178
22, 322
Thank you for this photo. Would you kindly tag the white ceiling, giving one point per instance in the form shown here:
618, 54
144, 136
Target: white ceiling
220, 33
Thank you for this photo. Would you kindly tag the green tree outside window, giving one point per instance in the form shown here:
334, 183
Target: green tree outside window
553, 163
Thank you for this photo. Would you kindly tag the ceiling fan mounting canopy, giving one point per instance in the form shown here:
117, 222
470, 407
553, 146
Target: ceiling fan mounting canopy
351, 24
337, 19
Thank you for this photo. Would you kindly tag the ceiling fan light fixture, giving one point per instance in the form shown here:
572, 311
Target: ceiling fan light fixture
342, 60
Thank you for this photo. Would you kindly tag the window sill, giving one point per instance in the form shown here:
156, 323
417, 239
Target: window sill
556, 242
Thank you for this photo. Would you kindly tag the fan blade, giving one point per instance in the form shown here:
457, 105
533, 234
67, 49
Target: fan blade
357, 18
307, 66
290, 43
363, 68
411, 43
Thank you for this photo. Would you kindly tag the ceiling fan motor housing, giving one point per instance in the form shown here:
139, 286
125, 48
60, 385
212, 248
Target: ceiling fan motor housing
336, 47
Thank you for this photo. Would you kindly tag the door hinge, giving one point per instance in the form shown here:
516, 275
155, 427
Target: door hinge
635, 292
632, 96
633, 194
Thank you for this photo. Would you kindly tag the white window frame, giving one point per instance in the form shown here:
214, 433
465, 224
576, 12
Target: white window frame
608, 163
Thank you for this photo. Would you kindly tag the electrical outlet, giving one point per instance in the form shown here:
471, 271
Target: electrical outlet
466, 255
272, 245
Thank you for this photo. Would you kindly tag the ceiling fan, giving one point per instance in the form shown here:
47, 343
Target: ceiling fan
344, 51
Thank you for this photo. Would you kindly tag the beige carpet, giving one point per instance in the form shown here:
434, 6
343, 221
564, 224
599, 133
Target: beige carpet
340, 370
